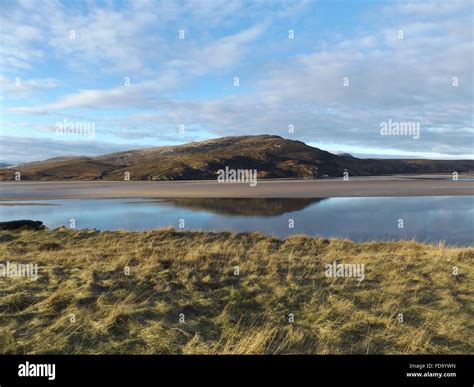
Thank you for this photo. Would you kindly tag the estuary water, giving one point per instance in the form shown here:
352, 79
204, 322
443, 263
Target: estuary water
427, 219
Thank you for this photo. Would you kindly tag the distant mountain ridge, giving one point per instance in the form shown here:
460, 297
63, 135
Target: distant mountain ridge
272, 157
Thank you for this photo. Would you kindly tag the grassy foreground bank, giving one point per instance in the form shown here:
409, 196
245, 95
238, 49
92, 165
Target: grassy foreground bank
126, 292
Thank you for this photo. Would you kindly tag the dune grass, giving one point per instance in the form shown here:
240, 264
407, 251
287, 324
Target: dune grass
181, 295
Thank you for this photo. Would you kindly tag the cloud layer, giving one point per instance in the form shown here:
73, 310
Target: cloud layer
147, 68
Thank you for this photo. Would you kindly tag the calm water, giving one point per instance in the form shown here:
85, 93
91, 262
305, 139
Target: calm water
425, 218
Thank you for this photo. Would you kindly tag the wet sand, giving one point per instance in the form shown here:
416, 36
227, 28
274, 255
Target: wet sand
355, 187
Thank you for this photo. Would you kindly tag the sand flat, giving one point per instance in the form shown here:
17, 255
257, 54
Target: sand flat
284, 188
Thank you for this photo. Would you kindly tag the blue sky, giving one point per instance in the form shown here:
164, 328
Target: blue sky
68, 62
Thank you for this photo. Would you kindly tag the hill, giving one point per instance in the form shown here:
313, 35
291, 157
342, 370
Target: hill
271, 156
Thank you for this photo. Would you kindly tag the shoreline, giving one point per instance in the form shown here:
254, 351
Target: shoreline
250, 234
380, 186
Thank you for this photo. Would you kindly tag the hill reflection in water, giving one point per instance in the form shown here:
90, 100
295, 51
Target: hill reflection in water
245, 207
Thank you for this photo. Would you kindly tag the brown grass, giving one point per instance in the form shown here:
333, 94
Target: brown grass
81, 273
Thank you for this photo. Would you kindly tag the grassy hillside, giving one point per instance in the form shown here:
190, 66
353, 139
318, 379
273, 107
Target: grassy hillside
271, 156
82, 274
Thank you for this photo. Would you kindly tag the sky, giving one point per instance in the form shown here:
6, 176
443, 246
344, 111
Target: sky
95, 77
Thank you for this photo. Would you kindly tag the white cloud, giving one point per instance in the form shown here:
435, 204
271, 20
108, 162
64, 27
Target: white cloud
23, 86
222, 53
